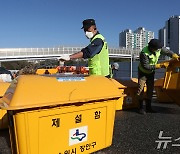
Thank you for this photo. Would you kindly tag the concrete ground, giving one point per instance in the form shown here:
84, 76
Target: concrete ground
135, 133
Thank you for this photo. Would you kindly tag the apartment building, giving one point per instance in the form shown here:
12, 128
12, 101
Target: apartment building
137, 39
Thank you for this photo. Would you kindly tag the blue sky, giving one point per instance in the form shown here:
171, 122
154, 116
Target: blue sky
49, 23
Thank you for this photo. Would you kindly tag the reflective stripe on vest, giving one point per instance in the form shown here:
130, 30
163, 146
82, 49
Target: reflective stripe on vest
153, 59
99, 64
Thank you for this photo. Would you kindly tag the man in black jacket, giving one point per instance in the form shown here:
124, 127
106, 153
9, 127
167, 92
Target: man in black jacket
148, 63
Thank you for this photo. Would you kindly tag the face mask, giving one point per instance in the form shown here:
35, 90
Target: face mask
89, 35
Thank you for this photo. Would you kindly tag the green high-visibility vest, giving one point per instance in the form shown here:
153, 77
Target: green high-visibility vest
99, 64
153, 59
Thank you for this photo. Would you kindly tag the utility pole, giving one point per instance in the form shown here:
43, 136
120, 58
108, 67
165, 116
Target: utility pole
131, 68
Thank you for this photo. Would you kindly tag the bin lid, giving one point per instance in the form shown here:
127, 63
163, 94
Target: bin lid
127, 82
3, 87
29, 91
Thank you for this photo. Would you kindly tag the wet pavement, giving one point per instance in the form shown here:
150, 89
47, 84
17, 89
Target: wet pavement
135, 133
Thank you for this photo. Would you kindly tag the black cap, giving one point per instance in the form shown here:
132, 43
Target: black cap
88, 23
155, 44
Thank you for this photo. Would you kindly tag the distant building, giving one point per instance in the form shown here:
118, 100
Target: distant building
137, 39
171, 33
162, 36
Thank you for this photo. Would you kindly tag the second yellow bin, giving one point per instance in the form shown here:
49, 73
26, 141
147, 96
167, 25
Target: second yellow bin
3, 114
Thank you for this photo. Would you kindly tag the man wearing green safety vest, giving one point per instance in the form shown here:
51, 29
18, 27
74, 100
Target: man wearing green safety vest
96, 52
148, 63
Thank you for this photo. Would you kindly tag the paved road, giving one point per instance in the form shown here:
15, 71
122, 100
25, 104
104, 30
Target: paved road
136, 134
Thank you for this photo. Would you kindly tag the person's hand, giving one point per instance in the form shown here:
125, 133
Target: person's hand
162, 65
64, 58
175, 57
157, 66
165, 64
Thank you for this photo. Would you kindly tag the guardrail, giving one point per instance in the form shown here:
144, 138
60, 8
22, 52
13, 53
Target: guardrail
32, 53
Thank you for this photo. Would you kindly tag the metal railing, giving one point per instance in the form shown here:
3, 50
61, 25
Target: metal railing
33, 53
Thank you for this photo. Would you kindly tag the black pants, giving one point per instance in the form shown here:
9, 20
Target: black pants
143, 79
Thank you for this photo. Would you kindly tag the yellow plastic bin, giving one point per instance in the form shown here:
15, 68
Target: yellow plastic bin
171, 82
162, 95
57, 115
3, 87
3, 119
47, 71
3, 114
127, 90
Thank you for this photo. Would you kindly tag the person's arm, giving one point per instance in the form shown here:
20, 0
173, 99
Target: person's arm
144, 60
166, 52
88, 52
93, 48
67, 57
76, 55
170, 53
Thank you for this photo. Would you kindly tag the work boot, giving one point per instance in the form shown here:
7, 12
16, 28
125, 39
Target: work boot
141, 107
149, 107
